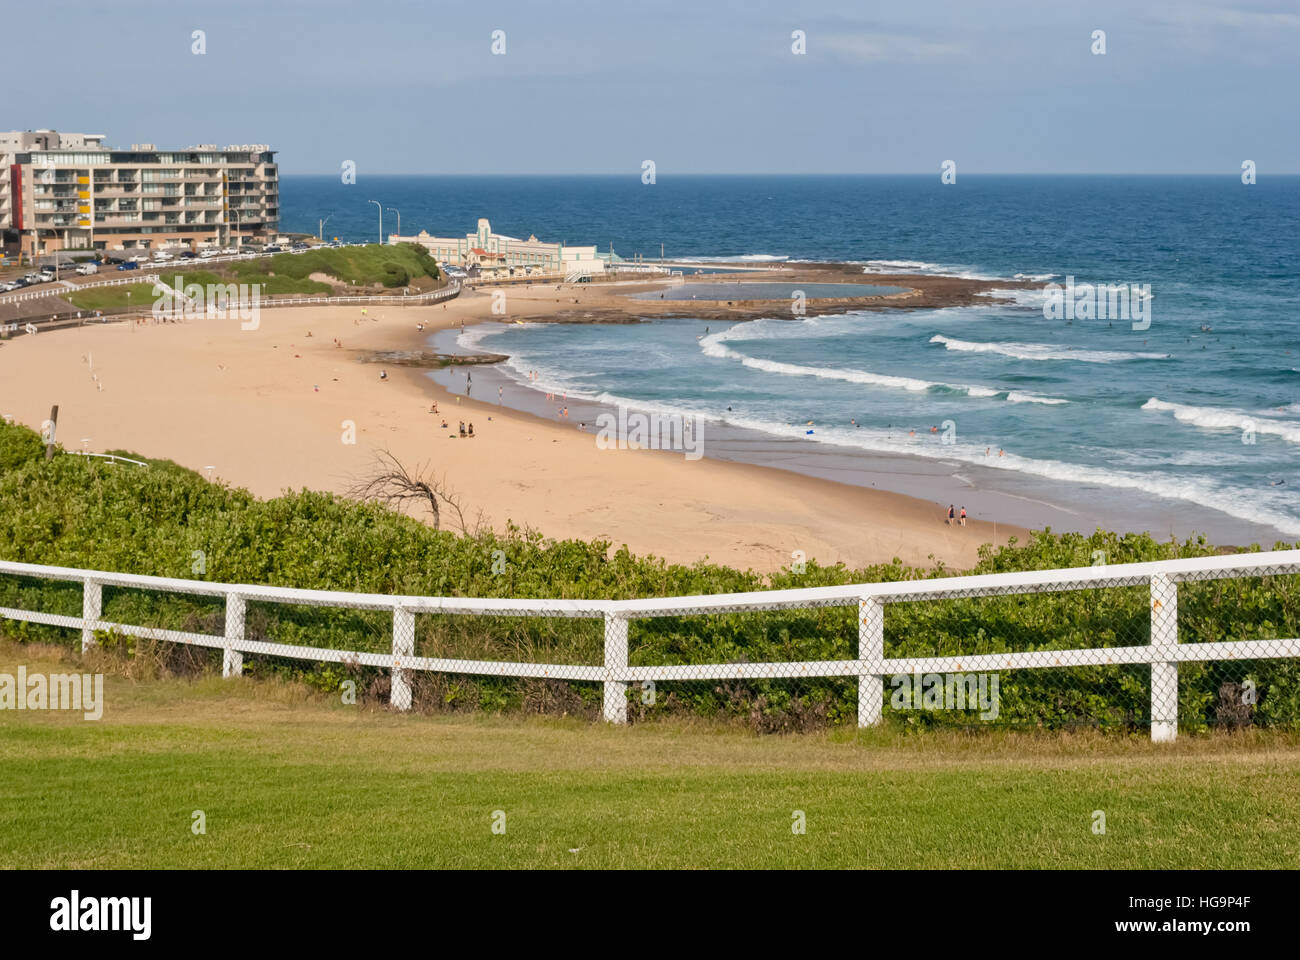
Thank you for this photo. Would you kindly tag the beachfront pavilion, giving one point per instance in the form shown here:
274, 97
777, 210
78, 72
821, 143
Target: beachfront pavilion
496, 254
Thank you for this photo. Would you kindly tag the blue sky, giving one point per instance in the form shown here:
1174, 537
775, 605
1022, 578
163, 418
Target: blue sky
709, 86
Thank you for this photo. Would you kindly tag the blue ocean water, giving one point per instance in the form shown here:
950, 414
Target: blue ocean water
1192, 424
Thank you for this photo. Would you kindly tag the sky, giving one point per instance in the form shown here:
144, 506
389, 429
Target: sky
708, 86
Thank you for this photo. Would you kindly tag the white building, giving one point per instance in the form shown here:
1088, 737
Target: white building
497, 255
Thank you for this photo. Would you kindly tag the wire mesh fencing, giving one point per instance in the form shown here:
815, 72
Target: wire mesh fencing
1191, 644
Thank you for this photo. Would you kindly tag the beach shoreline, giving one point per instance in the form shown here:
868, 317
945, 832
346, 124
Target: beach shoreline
271, 409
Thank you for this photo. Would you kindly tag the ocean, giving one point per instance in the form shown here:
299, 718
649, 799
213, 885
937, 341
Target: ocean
1188, 425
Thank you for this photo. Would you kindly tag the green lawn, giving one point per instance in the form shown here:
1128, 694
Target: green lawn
142, 294
113, 298
287, 778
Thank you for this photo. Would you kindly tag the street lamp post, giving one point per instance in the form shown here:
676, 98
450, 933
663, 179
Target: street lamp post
399, 218
381, 218
320, 233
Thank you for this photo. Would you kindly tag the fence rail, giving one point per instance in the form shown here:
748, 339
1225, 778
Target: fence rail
62, 318
1162, 653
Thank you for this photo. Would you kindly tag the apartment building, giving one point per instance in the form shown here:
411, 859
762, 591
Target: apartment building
65, 191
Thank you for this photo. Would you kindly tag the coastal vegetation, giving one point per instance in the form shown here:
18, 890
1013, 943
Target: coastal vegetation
165, 520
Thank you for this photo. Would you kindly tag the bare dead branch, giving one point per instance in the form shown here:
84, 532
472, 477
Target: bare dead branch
391, 483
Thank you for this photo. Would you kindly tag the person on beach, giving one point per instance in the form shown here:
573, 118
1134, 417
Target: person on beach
383, 374
951, 514
963, 516
462, 428
471, 430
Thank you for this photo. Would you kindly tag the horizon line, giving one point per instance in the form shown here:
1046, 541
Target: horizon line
636, 174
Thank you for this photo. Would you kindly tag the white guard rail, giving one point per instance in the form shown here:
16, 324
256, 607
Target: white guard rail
1163, 652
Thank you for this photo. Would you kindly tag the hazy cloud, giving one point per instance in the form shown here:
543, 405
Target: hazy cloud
889, 47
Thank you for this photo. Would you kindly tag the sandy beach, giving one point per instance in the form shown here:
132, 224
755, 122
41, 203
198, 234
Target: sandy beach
274, 408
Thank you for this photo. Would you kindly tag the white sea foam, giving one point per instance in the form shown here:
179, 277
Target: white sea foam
933, 269
714, 346
742, 258
1043, 351
1225, 418
1265, 508
1020, 296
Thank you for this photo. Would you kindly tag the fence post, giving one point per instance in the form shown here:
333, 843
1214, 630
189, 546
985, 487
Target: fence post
871, 655
92, 608
1164, 675
232, 660
399, 691
615, 665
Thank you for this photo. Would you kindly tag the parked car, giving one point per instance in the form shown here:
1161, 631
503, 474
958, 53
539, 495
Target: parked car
31, 278
85, 269
272, 249
10, 285
228, 251
188, 255
129, 265
162, 256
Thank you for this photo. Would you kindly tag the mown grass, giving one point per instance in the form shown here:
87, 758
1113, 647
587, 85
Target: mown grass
289, 778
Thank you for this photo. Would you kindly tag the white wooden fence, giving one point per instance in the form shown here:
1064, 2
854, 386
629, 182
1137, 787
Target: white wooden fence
58, 290
1163, 652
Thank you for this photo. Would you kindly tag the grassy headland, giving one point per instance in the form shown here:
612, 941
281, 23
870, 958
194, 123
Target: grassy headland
369, 268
